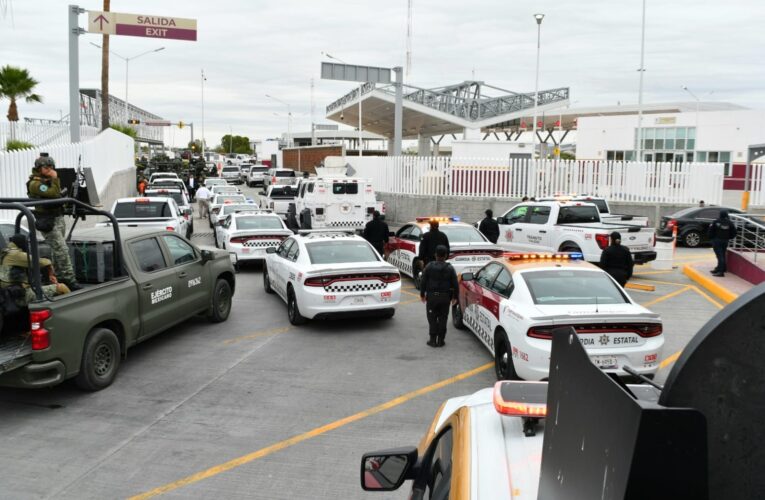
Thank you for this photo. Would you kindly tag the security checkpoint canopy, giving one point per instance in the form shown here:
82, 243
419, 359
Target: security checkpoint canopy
442, 110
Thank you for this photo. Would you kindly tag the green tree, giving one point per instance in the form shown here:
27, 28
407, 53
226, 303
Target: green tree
235, 144
129, 131
15, 83
195, 146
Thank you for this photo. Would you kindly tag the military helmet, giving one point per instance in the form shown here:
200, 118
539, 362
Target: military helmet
45, 161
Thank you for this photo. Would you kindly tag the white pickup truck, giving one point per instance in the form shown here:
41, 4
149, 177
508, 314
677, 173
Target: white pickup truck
278, 198
605, 210
553, 226
151, 213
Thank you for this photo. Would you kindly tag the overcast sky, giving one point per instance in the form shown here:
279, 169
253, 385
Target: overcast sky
249, 48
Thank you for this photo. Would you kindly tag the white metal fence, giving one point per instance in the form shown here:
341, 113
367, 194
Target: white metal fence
497, 177
757, 196
105, 154
41, 134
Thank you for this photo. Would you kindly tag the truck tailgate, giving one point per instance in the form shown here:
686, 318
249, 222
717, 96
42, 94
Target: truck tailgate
15, 351
640, 241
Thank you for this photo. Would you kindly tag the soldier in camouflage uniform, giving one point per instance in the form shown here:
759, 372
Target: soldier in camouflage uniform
14, 273
45, 184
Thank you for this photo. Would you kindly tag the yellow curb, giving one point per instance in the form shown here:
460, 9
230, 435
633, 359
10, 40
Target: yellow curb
714, 287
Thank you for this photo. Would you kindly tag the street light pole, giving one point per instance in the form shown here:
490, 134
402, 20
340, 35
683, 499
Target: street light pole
289, 119
127, 69
639, 156
538, 18
203, 79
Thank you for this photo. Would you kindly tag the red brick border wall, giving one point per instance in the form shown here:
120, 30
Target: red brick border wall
307, 158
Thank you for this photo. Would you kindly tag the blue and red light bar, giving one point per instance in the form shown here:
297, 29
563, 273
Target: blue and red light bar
453, 218
543, 256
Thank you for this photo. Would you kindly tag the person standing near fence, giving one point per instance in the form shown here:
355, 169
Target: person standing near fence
721, 231
489, 227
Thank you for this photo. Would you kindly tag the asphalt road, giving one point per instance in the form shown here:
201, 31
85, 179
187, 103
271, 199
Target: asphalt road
256, 408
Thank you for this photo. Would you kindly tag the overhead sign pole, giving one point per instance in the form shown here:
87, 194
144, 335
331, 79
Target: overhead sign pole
373, 74
74, 72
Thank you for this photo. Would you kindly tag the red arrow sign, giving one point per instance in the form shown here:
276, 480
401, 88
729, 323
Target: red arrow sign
101, 19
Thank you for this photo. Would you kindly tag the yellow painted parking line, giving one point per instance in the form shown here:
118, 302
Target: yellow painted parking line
705, 280
410, 301
666, 362
257, 335
706, 296
644, 273
641, 287
411, 293
318, 431
667, 296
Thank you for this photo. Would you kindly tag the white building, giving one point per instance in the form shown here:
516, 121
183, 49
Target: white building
720, 135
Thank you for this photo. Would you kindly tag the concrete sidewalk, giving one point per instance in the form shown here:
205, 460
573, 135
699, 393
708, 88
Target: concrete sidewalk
727, 288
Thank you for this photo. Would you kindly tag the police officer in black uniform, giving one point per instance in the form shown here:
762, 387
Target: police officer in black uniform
489, 227
616, 260
430, 241
438, 290
376, 232
721, 231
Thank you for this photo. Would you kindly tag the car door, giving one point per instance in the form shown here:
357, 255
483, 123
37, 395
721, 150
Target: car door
511, 234
157, 285
394, 247
536, 229
483, 303
277, 267
438, 466
410, 246
192, 282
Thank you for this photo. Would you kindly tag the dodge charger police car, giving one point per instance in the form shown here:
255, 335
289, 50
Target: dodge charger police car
249, 233
219, 200
468, 248
513, 303
331, 273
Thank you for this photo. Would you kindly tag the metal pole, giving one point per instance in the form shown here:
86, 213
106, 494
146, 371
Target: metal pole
74, 73
289, 126
127, 68
539, 18
203, 113
360, 143
639, 155
398, 114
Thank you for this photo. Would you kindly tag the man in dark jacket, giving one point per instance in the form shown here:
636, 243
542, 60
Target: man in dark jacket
430, 241
439, 288
489, 227
721, 231
376, 232
616, 260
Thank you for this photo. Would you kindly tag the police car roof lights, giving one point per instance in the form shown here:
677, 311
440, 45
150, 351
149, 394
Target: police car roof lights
543, 256
520, 399
453, 218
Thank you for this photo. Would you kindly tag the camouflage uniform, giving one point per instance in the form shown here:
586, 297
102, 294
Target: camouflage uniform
14, 271
46, 188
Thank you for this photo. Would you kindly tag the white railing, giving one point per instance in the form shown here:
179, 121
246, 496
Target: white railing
41, 134
750, 235
105, 154
497, 177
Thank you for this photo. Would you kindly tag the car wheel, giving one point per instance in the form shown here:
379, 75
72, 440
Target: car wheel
221, 302
571, 248
293, 311
417, 275
457, 317
691, 239
267, 281
503, 360
389, 314
100, 360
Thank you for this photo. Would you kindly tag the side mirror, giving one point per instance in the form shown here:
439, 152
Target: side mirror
207, 256
262, 193
271, 250
387, 470
466, 276
391, 233
501, 220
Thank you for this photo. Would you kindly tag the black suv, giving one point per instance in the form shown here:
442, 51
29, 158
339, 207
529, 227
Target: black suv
692, 224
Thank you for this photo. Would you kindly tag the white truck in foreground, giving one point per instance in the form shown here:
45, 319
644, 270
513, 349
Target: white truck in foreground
554, 226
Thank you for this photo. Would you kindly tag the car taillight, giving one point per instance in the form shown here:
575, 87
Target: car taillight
602, 240
40, 336
497, 253
170, 228
392, 278
273, 179
540, 332
671, 223
654, 239
649, 329
317, 281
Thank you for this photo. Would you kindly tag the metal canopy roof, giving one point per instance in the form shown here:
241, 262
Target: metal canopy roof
442, 110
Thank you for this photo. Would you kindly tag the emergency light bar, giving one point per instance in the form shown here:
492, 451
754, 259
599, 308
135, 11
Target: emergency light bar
453, 218
543, 256
528, 407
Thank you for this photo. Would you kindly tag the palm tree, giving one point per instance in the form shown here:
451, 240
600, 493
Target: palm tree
15, 83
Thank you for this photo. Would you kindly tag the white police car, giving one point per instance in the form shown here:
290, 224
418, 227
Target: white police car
249, 233
513, 303
468, 248
219, 200
331, 273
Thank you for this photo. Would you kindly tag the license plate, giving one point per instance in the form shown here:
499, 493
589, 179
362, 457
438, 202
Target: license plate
639, 248
358, 300
605, 362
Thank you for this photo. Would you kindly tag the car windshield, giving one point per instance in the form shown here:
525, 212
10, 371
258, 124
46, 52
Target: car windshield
601, 204
160, 183
461, 234
176, 195
259, 222
230, 169
572, 287
340, 252
224, 189
578, 214
683, 212
233, 198
283, 191
259, 170
142, 210
230, 209
284, 173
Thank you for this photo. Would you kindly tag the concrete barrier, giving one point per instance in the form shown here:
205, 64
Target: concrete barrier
401, 208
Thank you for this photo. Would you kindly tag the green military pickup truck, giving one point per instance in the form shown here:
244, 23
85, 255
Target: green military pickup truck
157, 279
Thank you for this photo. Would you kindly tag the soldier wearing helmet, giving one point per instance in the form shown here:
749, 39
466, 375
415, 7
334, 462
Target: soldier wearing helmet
44, 184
